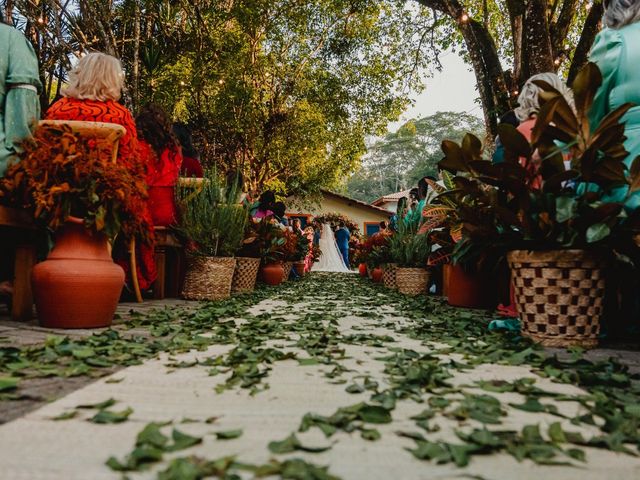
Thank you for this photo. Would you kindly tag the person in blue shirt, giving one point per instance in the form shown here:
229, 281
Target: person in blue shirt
342, 239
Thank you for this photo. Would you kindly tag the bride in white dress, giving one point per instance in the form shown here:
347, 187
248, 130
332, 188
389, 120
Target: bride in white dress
330, 260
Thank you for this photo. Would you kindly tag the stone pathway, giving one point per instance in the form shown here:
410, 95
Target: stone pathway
316, 347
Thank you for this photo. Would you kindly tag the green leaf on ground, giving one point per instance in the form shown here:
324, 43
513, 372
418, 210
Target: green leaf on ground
228, 434
107, 416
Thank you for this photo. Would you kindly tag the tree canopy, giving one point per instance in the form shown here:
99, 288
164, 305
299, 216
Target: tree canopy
398, 160
283, 90
507, 41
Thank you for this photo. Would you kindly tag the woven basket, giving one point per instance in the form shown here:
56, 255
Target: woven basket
559, 296
389, 276
288, 266
245, 275
412, 281
208, 278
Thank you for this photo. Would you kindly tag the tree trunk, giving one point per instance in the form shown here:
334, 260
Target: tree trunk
589, 32
538, 54
136, 55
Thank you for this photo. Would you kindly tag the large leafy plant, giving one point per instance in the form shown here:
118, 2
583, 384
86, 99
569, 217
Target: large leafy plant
409, 248
213, 222
553, 192
61, 175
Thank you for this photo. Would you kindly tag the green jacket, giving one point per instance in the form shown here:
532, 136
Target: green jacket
617, 55
19, 88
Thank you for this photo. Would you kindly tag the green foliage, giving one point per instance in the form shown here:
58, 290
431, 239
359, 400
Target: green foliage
210, 216
397, 161
533, 200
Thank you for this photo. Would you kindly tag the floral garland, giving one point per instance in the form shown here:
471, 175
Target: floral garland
334, 220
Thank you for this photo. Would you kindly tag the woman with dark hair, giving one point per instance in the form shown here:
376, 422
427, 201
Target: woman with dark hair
161, 153
191, 166
265, 205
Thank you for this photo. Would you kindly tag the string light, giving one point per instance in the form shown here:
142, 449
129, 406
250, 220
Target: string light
588, 6
221, 81
182, 84
40, 20
516, 93
464, 18
557, 62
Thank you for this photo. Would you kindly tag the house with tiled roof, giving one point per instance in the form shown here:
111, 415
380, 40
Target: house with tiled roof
390, 202
366, 216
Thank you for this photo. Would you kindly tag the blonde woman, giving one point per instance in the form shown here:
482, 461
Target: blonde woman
92, 95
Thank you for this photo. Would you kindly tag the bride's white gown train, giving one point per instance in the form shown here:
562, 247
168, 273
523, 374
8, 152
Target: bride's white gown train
331, 260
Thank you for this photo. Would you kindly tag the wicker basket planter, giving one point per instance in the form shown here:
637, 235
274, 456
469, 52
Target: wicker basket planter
245, 275
288, 266
389, 276
412, 281
559, 295
208, 278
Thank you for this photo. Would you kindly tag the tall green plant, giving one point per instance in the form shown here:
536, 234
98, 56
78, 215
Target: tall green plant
210, 218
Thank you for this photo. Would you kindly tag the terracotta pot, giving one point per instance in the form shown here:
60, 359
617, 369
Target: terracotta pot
376, 275
78, 285
299, 266
362, 269
273, 274
469, 290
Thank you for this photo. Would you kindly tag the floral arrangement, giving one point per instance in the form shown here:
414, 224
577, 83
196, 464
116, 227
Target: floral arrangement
61, 175
373, 250
290, 247
264, 238
334, 220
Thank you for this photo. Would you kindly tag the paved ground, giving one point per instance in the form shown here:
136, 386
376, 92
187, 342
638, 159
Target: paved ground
295, 352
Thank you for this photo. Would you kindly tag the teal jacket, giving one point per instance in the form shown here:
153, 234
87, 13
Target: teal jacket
19, 88
617, 54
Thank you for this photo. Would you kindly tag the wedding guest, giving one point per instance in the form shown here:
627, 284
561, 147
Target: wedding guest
528, 108
95, 86
279, 211
20, 107
265, 206
297, 226
508, 118
191, 166
162, 156
615, 52
342, 239
92, 95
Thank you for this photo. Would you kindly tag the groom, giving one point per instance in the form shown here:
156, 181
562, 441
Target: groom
342, 239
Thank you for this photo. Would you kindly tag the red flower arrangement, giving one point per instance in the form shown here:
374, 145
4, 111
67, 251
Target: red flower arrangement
61, 175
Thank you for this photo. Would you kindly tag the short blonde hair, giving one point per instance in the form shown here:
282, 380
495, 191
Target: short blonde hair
97, 76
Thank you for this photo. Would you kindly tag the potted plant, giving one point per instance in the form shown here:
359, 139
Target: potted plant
556, 221
214, 224
272, 251
410, 251
302, 250
467, 282
248, 259
73, 189
289, 250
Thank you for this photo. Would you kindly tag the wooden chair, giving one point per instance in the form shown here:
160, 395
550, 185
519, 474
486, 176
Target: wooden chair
107, 135
167, 244
22, 229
